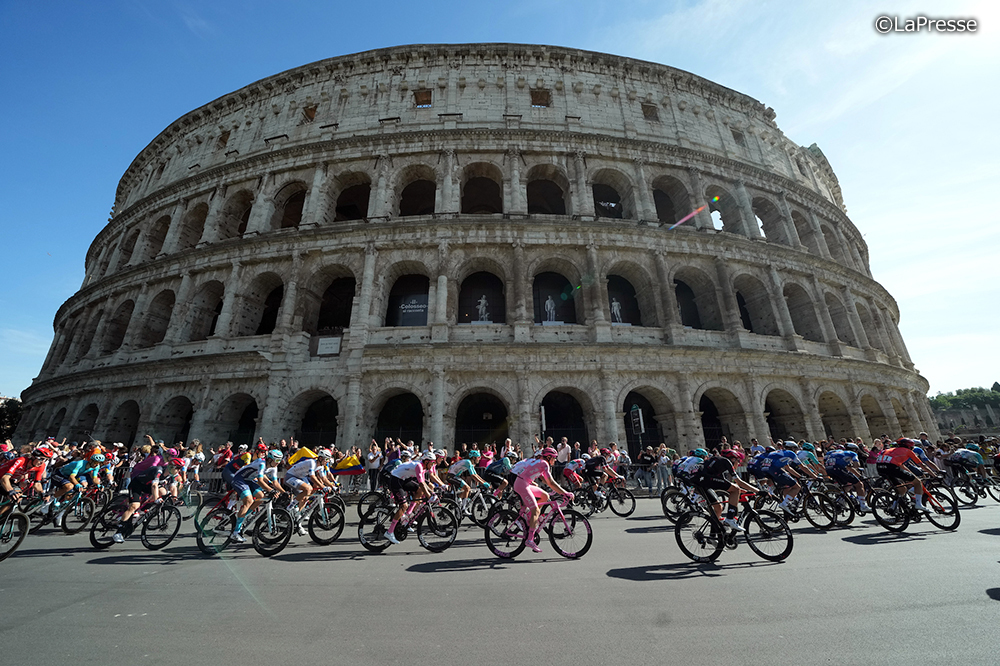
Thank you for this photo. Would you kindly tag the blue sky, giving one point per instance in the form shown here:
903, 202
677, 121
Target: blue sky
908, 121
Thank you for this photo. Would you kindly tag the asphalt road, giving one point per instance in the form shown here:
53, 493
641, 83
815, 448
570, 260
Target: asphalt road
855, 596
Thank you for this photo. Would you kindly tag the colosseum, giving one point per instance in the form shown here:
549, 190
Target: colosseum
459, 243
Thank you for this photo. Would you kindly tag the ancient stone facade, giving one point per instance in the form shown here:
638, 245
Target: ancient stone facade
460, 242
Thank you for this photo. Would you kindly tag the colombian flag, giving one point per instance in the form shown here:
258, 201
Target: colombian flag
349, 465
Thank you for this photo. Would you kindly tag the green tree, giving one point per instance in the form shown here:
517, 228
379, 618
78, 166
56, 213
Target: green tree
10, 414
966, 399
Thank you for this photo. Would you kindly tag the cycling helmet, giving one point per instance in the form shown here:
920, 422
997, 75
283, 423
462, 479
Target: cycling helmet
428, 456
275, 454
261, 446
851, 446
177, 462
405, 455
43, 452
243, 447
769, 449
585, 456
809, 447
548, 452
97, 458
200, 457
905, 442
171, 452
440, 453
325, 454
700, 453
972, 447
789, 444
605, 452
474, 454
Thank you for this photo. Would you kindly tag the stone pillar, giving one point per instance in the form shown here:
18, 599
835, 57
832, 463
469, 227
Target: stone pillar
884, 334
69, 420
730, 309
583, 201
182, 308
859, 424
379, 206
757, 420
200, 414
437, 407
781, 306
893, 329
284, 325
876, 335
824, 249
810, 412
750, 228
138, 315
99, 334
689, 431
263, 209
829, 330
860, 334
791, 232
920, 403
451, 195
671, 314
702, 220
612, 433
214, 217
362, 316
598, 291
526, 425
439, 332
521, 286
173, 233
353, 417
314, 208
224, 323
517, 201
644, 204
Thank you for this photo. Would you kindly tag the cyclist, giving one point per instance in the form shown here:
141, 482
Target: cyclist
405, 479
715, 474
891, 464
496, 473
274, 458
146, 482
429, 460
570, 472
784, 469
840, 464
14, 471
807, 457
75, 474
598, 470
302, 479
527, 471
466, 466
965, 460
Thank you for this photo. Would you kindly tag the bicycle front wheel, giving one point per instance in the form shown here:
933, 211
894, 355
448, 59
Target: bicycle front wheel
374, 528
993, 488
76, 517
437, 529
480, 508
843, 509
890, 510
505, 534
160, 527
966, 493
105, 525
699, 537
942, 511
325, 526
768, 535
621, 502
570, 535
215, 531
13, 529
675, 503
370, 500
272, 534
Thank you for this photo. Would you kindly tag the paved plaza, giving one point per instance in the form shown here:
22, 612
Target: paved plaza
854, 596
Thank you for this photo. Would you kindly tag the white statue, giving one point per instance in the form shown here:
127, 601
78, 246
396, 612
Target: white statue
550, 309
481, 307
616, 310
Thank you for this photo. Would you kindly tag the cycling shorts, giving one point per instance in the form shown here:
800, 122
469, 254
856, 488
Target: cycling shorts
401, 487
243, 487
493, 479
572, 477
712, 483
136, 490
456, 483
783, 480
529, 493
58, 480
894, 473
842, 476
295, 482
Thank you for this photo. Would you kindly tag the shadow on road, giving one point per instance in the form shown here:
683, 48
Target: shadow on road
652, 529
318, 556
473, 564
993, 593
645, 518
681, 571
885, 537
48, 552
993, 531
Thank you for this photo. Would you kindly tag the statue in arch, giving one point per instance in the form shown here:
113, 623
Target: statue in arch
550, 309
481, 308
616, 310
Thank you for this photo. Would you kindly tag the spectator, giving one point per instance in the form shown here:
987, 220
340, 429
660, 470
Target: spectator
644, 472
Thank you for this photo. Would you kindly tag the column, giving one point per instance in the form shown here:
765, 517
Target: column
671, 314
690, 434
750, 228
791, 232
583, 201
702, 220
437, 407
730, 310
526, 425
173, 232
612, 433
138, 315
883, 331
314, 209
378, 206
598, 288
810, 411
876, 335
521, 313
781, 306
757, 419
645, 206
99, 333
69, 421
859, 424
860, 334
829, 330
285, 317
361, 318
182, 309
892, 420
352, 413
818, 235
516, 203
199, 416
224, 323
451, 196
214, 217
894, 333
263, 209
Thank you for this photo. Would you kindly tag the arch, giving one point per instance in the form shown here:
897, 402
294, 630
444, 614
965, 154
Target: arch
236, 419
635, 438
204, 310
192, 228
155, 237
805, 233
353, 194
235, 215
770, 220
555, 299
722, 415
645, 292
671, 198
564, 416
696, 299
261, 304
408, 301
482, 299
623, 302
482, 417
785, 419
56, 423
173, 421
416, 191
803, 313
157, 319
335, 307
102, 269
126, 249
754, 303
401, 416
722, 202
546, 190
833, 412
85, 422
289, 203
124, 424
60, 356
833, 244
89, 331
841, 320
878, 424
866, 323
482, 189
318, 415
906, 426
614, 196
114, 336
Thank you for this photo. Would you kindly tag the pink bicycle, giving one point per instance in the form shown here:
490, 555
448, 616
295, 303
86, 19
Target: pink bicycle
568, 530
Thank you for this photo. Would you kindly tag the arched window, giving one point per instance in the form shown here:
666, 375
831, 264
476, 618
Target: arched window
319, 423
124, 424
156, 321
482, 195
696, 299
623, 302
155, 238
335, 306
117, 326
261, 305
841, 320
803, 313
769, 221
754, 303
417, 198
289, 203
205, 309
805, 233
724, 210
402, 416
612, 193
481, 300
687, 305
236, 215
554, 299
546, 190
192, 227
671, 199
564, 417
352, 202
127, 247
481, 418
407, 304
88, 336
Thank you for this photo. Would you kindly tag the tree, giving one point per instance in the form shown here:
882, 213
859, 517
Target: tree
966, 399
10, 414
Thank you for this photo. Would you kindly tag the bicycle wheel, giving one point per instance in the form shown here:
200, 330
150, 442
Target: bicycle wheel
437, 529
675, 503
215, 531
621, 502
193, 499
160, 527
993, 488
338, 501
890, 510
373, 528
37, 514
13, 528
843, 509
571, 537
699, 537
505, 534
966, 493
480, 508
768, 535
104, 526
325, 526
370, 500
271, 535
819, 510
942, 511
77, 516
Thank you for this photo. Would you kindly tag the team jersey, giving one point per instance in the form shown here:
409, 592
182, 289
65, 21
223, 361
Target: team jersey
966, 456
807, 458
148, 475
463, 466
575, 464
410, 470
152, 460
597, 463
303, 469
530, 469
391, 464
78, 468
920, 454
780, 459
501, 466
840, 459
253, 470
688, 466
271, 473
716, 467
897, 456
18, 469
